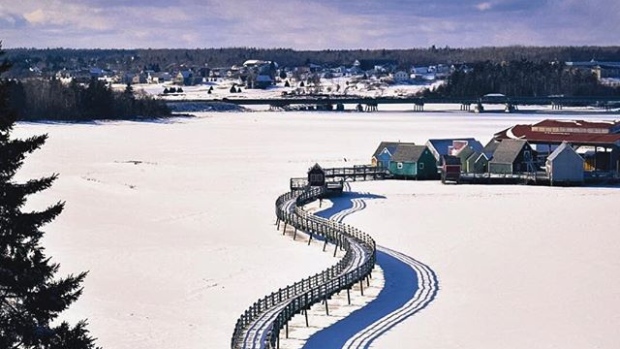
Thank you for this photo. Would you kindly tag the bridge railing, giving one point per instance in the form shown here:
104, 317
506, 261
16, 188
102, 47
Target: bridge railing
321, 286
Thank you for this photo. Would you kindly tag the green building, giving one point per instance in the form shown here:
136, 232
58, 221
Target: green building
413, 162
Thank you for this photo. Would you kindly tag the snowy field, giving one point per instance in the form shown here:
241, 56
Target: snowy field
175, 222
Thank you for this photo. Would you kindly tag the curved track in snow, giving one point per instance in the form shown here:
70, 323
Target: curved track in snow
386, 311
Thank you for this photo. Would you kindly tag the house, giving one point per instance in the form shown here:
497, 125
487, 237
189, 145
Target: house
184, 78
132, 78
449, 146
512, 156
463, 150
450, 168
564, 165
413, 161
601, 139
478, 161
401, 76
383, 154
373, 64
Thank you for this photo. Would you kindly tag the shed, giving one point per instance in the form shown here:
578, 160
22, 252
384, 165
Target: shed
316, 176
513, 156
413, 161
383, 154
450, 168
565, 166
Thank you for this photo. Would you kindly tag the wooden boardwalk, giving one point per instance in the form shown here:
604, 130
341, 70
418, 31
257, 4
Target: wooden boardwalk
344, 174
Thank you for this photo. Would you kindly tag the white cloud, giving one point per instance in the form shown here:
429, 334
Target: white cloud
305, 24
484, 6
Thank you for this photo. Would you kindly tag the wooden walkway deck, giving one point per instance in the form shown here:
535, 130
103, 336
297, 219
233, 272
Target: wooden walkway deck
344, 174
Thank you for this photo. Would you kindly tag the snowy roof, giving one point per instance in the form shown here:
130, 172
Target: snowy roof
408, 152
508, 150
564, 147
442, 146
391, 147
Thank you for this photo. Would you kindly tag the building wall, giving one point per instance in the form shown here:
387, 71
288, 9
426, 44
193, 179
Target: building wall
499, 168
567, 166
481, 165
404, 169
427, 166
383, 160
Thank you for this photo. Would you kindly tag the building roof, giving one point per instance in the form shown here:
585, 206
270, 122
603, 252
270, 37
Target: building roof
442, 146
525, 132
391, 147
489, 148
577, 124
408, 152
508, 150
564, 147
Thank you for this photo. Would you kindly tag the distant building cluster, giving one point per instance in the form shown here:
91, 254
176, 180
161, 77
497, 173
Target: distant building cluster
262, 74
558, 152
255, 73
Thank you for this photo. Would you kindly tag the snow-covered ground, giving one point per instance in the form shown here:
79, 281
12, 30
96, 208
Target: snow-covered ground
175, 222
345, 86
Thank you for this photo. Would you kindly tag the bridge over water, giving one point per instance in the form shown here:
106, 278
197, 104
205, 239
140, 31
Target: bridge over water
371, 103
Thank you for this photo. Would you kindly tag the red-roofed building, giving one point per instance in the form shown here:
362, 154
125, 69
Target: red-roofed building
598, 142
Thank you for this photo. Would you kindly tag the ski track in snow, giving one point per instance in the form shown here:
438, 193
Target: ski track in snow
388, 314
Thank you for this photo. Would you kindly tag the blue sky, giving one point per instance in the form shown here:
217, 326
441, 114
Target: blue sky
307, 24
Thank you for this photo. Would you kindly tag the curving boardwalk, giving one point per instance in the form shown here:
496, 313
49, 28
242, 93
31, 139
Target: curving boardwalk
259, 326
409, 287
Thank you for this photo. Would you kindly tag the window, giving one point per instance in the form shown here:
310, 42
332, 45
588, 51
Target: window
421, 166
399, 165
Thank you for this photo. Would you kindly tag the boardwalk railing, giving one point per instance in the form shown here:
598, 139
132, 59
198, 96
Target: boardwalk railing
355, 266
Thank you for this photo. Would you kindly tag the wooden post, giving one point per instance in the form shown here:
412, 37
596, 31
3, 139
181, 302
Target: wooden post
295, 234
349, 295
284, 230
336, 248
362, 287
287, 330
326, 307
278, 223
324, 245
306, 314
310, 239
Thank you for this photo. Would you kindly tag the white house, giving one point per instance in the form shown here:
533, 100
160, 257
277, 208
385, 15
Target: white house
401, 76
564, 165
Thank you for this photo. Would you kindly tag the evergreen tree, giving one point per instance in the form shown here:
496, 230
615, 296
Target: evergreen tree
31, 296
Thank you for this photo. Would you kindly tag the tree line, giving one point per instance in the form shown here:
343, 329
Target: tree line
50, 99
53, 60
522, 78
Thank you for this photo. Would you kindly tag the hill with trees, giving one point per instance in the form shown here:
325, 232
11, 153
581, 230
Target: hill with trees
522, 78
53, 60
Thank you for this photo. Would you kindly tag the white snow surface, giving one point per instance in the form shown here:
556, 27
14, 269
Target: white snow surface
175, 222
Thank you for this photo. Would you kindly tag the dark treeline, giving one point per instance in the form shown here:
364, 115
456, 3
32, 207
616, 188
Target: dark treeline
49, 99
522, 78
164, 59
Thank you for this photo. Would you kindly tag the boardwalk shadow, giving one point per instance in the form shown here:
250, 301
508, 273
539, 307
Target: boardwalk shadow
345, 202
401, 285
